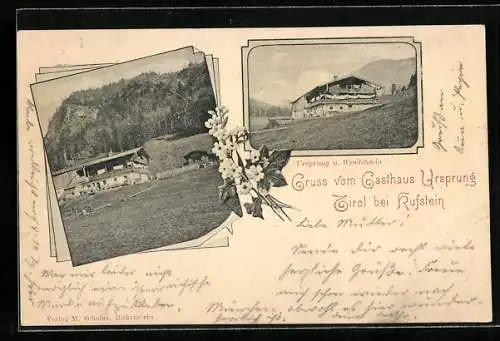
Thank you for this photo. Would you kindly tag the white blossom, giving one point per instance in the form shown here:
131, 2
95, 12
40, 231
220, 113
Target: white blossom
234, 172
221, 110
229, 169
226, 163
220, 150
255, 173
263, 191
218, 132
238, 180
230, 146
212, 122
243, 188
254, 156
239, 134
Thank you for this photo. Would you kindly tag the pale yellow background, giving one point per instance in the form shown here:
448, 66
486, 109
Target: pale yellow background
248, 270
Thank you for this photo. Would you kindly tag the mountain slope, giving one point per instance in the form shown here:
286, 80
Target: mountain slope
127, 113
386, 72
262, 109
391, 125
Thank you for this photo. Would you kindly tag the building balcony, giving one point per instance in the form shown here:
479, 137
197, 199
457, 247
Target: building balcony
346, 101
117, 172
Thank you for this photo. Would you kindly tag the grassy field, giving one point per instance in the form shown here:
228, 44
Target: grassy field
392, 125
170, 211
168, 154
259, 123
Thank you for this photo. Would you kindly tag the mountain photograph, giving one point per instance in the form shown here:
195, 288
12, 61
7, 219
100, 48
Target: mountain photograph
125, 114
129, 155
340, 96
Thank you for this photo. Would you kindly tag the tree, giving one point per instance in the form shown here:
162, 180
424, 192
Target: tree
413, 81
127, 113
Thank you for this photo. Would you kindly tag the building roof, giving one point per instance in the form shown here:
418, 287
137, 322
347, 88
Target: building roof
100, 160
336, 81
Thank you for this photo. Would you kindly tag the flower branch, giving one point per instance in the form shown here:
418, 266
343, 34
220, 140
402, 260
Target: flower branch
252, 174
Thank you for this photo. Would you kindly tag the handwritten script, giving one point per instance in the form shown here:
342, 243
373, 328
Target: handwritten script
458, 101
32, 207
451, 108
321, 292
112, 297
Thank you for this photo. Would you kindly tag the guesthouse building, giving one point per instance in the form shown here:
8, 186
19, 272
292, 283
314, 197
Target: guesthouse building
347, 94
115, 170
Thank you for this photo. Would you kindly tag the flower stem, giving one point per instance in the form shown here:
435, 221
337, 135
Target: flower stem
281, 203
274, 200
270, 204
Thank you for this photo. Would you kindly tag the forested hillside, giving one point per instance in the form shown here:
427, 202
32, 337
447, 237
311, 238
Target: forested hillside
125, 114
262, 109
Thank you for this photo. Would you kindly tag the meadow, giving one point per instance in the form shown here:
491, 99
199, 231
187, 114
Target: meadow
394, 124
169, 153
163, 212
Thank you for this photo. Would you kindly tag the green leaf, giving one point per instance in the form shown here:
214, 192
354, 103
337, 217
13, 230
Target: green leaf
248, 207
224, 121
257, 200
264, 152
276, 178
228, 181
235, 205
257, 207
257, 211
279, 158
240, 162
227, 191
265, 184
254, 208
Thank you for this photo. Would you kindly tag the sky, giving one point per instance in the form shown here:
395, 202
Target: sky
279, 74
49, 95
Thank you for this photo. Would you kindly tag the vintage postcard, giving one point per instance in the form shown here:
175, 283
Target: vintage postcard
229, 177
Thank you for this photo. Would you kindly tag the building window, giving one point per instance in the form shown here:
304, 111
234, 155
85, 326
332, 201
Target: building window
350, 105
341, 107
114, 179
331, 108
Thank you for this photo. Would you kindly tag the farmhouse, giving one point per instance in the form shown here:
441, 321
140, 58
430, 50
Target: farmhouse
101, 174
199, 157
347, 94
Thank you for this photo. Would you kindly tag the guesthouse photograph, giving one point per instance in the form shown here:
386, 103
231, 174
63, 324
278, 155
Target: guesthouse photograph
130, 154
333, 96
